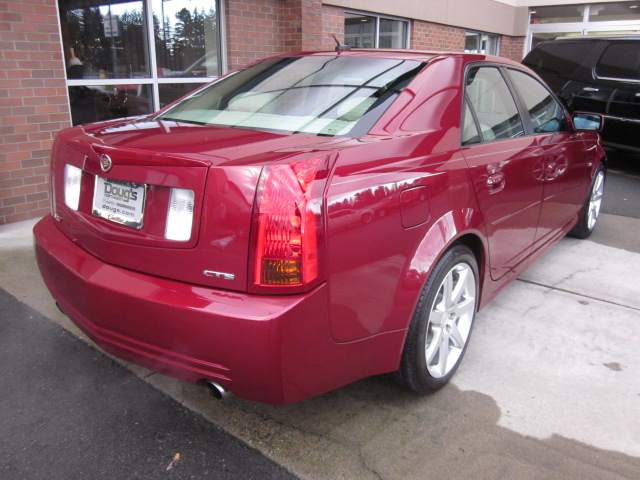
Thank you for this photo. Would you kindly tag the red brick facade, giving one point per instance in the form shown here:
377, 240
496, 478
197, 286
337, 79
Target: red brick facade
512, 47
431, 36
33, 104
257, 28
33, 93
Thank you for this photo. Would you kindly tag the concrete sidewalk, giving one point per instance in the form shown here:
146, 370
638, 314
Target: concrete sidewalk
549, 387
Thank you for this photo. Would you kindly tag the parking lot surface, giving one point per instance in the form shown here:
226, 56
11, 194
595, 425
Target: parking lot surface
70, 412
548, 389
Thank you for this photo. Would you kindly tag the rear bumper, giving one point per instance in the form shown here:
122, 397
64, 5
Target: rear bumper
272, 349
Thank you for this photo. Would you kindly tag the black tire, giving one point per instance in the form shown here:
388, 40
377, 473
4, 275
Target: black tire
591, 207
458, 266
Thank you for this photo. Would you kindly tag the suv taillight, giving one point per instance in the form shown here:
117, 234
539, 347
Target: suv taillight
287, 227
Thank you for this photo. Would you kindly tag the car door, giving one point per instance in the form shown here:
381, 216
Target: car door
565, 159
506, 167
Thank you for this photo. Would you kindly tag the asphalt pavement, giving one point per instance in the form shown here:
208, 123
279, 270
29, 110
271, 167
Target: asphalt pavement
548, 389
69, 412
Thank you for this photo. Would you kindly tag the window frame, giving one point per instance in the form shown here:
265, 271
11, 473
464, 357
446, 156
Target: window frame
523, 112
153, 79
378, 17
492, 38
522, 104
526, 124
584, 27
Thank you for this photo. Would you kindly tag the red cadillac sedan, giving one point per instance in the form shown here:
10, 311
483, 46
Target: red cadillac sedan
313, 219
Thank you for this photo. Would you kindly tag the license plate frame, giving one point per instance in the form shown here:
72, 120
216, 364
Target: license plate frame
119, 201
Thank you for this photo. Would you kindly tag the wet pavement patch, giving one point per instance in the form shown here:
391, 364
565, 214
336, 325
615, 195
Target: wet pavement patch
67, 411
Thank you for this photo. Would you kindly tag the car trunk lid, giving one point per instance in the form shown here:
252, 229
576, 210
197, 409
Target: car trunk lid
146, 163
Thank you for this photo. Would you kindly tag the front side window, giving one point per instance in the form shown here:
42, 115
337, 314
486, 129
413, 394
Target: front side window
373, 31
546, 114
494, 107
318, 95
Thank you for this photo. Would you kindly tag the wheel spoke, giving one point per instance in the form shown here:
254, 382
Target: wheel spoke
433, 346
456, 337
443, 353
464, 307
460, 286
447, 291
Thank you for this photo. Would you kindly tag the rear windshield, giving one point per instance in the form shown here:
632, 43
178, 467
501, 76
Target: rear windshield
558, 58
318, 95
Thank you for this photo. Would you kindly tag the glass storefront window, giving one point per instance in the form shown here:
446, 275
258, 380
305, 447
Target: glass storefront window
104, 39
372, 31
96, 103
186, 38
127, 58
170, 92
476, 42
393, 33
605, 12
557, 14
359, 30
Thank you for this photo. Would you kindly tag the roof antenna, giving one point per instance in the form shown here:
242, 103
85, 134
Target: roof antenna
340, 47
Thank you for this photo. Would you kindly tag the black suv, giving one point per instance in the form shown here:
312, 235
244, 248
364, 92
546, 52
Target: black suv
596, 74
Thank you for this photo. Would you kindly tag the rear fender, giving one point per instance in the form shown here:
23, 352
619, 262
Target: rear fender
461, 226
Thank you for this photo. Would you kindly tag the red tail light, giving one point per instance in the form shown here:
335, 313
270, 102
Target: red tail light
287, 225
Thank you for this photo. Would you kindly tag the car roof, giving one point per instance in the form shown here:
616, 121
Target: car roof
583, 38
416, 55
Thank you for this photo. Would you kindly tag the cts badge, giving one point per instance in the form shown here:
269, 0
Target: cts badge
220, 275
105, 163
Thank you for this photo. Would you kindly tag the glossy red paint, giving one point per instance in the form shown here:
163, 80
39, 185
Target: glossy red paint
388, 204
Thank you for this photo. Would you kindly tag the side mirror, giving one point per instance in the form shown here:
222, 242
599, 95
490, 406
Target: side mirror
588, 121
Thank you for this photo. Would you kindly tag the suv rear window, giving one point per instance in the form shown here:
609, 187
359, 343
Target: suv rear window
620, 60
561, 58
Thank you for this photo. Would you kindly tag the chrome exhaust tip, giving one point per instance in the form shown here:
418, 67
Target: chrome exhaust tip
217, 391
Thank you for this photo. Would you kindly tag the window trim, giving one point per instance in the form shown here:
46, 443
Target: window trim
523, 112
378, 17
494, 36
585, 27
524, 120
153, 79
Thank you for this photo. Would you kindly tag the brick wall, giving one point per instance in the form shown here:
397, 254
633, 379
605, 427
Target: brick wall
332, 24
259, 28
512, 48
432, 36
254, 30
33, 104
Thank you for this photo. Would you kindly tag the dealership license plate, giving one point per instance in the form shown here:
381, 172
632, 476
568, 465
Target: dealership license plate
119, 201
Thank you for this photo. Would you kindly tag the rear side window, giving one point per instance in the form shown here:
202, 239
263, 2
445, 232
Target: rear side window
560, 58
494, 107
620, 60
545, 112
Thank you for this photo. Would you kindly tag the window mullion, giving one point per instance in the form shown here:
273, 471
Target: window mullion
153, 63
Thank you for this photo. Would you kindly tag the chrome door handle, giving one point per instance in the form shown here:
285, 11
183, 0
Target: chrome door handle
591, 89
495, 181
